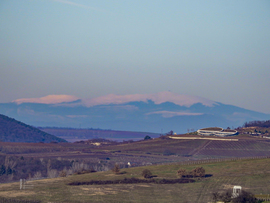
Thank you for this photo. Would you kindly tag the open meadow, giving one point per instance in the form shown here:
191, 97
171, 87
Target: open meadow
28, 160
252, 174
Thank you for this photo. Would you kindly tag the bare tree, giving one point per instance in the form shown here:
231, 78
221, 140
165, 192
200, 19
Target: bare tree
170, 133
53, 173
37, 175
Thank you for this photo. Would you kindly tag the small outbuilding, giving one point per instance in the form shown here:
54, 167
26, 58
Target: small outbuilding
236, 191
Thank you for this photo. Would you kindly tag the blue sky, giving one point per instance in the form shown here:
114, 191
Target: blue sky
219, 50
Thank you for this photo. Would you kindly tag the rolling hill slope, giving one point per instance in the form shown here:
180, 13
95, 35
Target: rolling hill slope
252, 175
12, 130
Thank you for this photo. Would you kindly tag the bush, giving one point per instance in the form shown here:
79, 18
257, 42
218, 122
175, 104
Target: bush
146, 173
227, 197
132, 181
85, 171
9, 200
181, 172
63, 173
116, 169
2, 170
245, 197
9, 171
198, 172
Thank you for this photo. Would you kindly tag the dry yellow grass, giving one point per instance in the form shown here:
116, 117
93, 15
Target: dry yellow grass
252, 175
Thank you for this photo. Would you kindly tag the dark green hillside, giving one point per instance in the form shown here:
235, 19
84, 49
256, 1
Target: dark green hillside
12, 130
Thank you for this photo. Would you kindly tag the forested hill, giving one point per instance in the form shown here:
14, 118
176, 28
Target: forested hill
12, 130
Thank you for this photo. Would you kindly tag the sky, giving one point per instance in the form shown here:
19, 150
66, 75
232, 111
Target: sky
219, 50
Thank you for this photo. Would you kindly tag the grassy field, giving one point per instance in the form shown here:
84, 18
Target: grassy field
252, 175
23, 160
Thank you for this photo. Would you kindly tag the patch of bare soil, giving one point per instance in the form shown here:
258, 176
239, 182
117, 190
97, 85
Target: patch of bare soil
228, 186
93, 190
139, 185
16, 193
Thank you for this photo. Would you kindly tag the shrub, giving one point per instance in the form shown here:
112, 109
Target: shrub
37, 175
63, 173
9, 200
191, 174
53, 173
198, 172
2, 170
132, 181
9, 171
85, 171
116, 169
146, 173
227, 197
181, 172
245, 197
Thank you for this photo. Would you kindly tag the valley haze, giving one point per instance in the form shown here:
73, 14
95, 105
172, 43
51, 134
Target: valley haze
158, 113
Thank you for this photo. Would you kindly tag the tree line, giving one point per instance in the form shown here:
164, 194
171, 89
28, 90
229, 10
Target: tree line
262, 124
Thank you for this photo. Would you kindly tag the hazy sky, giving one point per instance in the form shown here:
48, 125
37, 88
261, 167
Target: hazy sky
219, 50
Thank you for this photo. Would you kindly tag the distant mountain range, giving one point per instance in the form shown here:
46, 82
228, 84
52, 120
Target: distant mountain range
12, 130
157, 113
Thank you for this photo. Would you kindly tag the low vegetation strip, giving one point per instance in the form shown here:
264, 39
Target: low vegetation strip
201, 138
6, 200
210, 161
134, 181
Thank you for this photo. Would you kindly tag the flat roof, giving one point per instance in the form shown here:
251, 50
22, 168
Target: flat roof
212, 129
228, 130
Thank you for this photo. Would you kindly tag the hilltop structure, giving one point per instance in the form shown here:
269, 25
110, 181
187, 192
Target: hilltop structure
215, 131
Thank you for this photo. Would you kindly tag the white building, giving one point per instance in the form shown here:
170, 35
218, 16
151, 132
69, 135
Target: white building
215, 131
236, 191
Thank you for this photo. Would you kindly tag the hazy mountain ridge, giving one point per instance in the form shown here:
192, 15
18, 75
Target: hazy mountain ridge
125, 114
157, 98
12, 130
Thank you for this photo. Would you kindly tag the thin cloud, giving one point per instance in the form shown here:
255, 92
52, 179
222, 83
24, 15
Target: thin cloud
78, 5
50, 99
